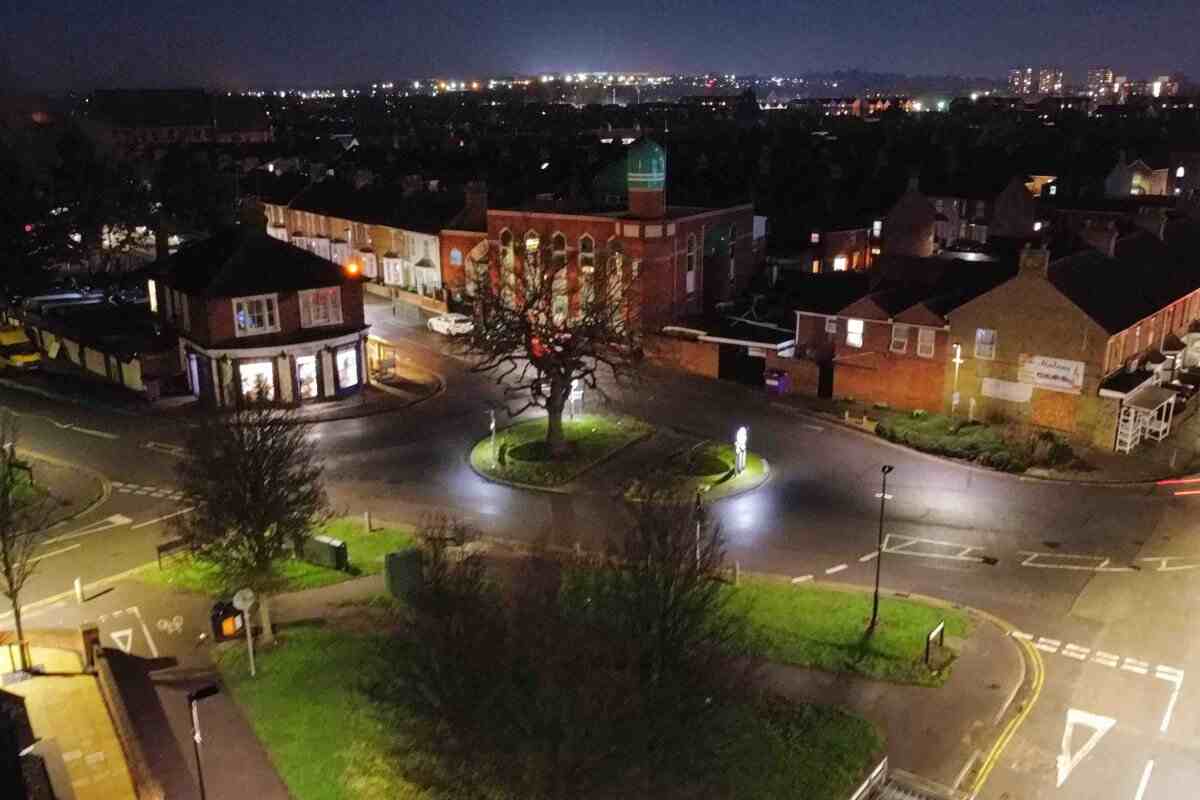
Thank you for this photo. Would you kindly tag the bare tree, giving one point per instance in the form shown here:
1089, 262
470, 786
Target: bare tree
544, 323
25, 509
256, 484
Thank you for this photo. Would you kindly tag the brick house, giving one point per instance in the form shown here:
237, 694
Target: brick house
684, 259
258, 318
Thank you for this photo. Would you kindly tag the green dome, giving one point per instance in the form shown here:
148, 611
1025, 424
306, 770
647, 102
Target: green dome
647, 166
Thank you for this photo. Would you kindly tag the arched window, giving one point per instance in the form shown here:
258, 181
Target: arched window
587, 255
506, 249
558, 250
691, 263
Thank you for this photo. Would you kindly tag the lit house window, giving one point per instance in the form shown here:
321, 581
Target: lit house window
258, 380
985, 343
587, 269
306, 376
1180, 172
255, 315
925, 340
814, 237
899, 338
877, 228
456, 257
1053, 190
831, 324
816, 265
854, 332
152, 292
839, 264
320, 307
1037, 226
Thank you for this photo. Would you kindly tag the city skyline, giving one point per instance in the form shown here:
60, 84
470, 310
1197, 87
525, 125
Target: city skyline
85, 43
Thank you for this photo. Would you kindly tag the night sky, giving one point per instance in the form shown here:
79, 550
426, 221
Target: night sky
49, 44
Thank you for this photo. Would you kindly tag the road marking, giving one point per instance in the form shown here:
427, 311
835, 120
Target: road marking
1134, 665
869, 556
1076, 652
897, 544
1049, 645
802, 579
1073, 562
163, 447
1105, 659
1171, 563
1174, 676
1067, 761
124, 639
833, 570
879, 495
114, 521
52, 553
975, 756
1022, 635
145, 630
1145, 780
163, 518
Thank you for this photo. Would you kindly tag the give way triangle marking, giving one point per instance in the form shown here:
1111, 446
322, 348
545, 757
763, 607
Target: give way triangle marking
124, 640
1099, 725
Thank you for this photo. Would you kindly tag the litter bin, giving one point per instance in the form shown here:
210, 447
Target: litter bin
327, 552
778, 381
227, 621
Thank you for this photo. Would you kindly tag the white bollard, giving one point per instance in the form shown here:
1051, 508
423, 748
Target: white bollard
367, 521
79, 591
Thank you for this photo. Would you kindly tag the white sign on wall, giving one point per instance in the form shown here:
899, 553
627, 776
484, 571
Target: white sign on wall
1055, 374
1007, 390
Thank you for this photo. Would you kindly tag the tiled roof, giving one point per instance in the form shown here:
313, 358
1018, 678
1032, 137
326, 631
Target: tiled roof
244, 260
425, 212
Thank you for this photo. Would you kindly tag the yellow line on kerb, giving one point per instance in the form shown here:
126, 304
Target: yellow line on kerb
1039, 675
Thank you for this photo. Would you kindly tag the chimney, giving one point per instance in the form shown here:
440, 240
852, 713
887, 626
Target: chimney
1034, 261
1103, 238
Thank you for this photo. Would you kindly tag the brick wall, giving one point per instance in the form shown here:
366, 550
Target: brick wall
700, 358
804, 373
218, 326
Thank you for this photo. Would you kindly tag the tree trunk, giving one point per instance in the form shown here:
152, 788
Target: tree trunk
264, 616
555, 441
16, 609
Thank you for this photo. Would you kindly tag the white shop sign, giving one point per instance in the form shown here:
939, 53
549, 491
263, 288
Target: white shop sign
1007, 390
1055, 374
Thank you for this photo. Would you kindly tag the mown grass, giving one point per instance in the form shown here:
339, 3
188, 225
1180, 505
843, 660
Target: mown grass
330, 741
706, 468
813, 626
591, 438
366, 552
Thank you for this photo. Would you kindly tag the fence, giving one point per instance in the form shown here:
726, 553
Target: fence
874, 780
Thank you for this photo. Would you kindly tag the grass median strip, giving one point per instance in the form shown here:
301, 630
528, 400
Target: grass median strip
813, 626
366, 551
314, 682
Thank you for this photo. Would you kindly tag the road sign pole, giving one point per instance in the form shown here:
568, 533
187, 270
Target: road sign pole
249, 642
243, 601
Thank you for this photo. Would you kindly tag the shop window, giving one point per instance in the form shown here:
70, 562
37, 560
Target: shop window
347, 367
839, 264
854, 332
306, 377
258, 380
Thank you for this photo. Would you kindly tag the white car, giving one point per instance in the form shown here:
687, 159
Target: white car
451, 324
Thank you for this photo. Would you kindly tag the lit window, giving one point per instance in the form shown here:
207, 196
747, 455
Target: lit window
587, 255
985, 343
1037, 226
877, 228
839, 263
258, 380
875, 251
320, 307
456, 257
1180, 172
347, 366
854, 332
899, 338
152, 292
1053, 190
814, 237
816, 265
306, 376
831, 324
925, 341
255, 315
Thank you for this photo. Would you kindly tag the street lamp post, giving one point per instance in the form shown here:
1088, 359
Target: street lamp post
879, 547
193, 698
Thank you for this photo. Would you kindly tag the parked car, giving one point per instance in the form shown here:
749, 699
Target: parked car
451, 324
16, 351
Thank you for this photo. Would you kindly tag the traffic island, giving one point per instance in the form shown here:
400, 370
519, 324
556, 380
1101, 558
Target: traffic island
520, 457
72, 490
708, 469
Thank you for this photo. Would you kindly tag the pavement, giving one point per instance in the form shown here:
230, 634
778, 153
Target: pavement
68, 715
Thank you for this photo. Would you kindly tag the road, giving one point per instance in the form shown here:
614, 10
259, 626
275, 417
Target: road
1100, 580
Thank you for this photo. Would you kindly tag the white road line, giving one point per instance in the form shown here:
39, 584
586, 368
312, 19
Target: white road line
899, 547
1022, 635
1049, 648
1133, 665
108, 523
1031, 560
1045, 640
1105, 659
869, 556
1141, 790
1175, 677
54, 553
975, 756
802, 579
836, 569
146, 630
1076, 652
90, 432
163, 518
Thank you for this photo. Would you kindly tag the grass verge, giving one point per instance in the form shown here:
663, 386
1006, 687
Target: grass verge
706, 468
812, 626
366, 551
311, 684
591, 439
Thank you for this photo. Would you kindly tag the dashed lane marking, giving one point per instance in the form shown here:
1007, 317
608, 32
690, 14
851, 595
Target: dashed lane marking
1136, 666
897, 544
869, 556
1145, 781
835, 570
802, 578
